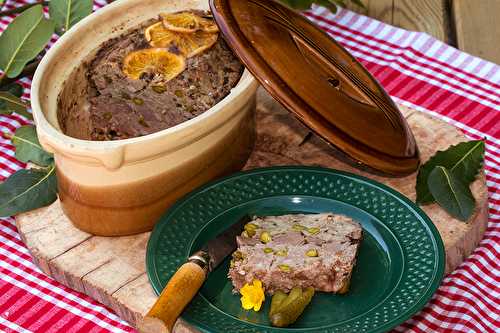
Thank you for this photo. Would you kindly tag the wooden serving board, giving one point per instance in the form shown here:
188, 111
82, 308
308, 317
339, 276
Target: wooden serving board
112, 269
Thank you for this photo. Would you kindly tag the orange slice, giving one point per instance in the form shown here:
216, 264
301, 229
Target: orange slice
159, 36
190, 44
207, 25
195, 43
158, 61
181, 22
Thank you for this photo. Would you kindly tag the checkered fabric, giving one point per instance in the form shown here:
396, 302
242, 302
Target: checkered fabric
417, 71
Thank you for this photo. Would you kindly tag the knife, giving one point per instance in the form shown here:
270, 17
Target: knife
188, 279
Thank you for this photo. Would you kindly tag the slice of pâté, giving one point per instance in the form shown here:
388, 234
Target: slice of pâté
298, 250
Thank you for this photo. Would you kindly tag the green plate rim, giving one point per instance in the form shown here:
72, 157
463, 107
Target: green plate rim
433, 285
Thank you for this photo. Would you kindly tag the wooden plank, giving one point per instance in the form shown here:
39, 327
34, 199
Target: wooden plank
429, 16
112, 269
477, 27
381, 10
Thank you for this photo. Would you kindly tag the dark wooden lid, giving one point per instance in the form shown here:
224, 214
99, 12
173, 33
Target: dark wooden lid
319, 81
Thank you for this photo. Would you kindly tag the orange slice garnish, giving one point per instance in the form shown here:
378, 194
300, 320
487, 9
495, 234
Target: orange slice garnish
155, 60
207, 25
181, 22
159, 36
195, 43
189, 44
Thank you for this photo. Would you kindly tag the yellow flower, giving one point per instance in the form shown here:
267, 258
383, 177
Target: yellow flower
252, 295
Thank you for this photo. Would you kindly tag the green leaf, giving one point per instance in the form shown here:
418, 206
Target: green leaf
14, 88
10, 103
66, 13
23, 40
27, 190
451, 193
28, 148
463, 160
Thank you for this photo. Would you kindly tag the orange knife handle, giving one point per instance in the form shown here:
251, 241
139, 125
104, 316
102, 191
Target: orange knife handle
179, 291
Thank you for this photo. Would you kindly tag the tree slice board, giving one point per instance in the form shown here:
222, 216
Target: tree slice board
112, 269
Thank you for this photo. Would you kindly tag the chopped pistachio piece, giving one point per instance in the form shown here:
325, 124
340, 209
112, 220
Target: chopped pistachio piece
159, 89
312, 253
284, 268
268, 250
142, 122
281, 253
250, 229
265, 237
250, 226
250, 232
313, 230
137, 101
237, 255
298, 227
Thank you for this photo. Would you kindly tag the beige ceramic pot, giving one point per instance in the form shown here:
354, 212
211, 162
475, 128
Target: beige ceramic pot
123, 187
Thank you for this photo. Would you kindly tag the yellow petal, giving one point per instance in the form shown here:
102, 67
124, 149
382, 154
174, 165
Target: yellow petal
257, 306
257, 283
246, 303
246, 289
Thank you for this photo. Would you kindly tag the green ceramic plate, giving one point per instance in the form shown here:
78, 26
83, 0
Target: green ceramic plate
400, 263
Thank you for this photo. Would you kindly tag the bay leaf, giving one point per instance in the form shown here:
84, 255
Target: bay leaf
28, 148
14, 88
10, 103
464, 160
23, 40
26, 190
67, 13
451, 193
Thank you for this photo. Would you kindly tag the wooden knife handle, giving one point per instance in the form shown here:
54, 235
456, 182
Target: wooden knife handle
179, 291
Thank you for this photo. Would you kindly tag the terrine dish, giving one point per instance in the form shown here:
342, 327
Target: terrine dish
122, 187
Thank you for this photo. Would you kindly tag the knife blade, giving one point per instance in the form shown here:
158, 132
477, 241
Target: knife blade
185, 283
219, 247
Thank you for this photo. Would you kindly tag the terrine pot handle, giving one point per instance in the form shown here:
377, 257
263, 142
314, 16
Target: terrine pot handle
179, 291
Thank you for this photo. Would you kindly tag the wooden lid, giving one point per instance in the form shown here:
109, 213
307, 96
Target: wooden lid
319, 81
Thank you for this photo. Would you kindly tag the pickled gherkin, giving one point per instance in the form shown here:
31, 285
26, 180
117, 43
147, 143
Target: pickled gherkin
278, 298
286, 311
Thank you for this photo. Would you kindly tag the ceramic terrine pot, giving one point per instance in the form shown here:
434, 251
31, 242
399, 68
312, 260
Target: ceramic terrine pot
122, 187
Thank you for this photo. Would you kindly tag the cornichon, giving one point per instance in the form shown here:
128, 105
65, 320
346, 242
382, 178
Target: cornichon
290, 308
278, 298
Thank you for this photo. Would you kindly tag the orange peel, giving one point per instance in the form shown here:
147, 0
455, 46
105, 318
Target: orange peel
181, 22
207, 25
195, 43
154, 60
189, 44
159, 36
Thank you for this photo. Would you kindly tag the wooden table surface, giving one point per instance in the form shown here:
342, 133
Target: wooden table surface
470, 25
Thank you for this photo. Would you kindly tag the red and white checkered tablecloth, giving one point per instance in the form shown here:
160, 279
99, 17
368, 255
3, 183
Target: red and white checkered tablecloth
417, 71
